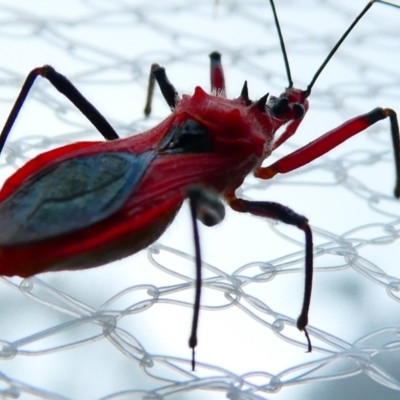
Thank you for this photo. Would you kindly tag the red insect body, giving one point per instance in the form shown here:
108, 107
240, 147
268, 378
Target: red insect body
241, 138
87, 204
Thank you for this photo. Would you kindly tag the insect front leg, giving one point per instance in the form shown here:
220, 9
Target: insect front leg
334, 138
284, 214
64, 86
207, 208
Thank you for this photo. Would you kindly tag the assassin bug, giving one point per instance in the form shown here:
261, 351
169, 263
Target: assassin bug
89, 203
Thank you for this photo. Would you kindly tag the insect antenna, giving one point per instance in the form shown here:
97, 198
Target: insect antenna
282, 43
307, 92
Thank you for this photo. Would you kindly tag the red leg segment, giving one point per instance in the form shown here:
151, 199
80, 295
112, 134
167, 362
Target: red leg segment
217, 74
332, 139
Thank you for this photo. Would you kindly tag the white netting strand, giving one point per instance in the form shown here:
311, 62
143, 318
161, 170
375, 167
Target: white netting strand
121, 331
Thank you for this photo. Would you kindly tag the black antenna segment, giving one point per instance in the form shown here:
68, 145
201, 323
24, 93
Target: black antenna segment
283, 48
307, 92
341, 40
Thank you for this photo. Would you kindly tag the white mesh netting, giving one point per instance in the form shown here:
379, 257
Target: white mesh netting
121, 331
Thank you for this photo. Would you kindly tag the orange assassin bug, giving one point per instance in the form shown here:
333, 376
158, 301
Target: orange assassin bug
89, 203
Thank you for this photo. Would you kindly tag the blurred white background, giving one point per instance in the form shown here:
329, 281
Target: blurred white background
106, 49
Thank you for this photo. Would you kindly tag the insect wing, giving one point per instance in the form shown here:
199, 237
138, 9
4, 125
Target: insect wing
70, 195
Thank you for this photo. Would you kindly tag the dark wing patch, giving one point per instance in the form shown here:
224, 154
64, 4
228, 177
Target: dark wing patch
70, 196
187, 137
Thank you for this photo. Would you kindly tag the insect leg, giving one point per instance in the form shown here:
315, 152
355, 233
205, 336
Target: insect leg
333, 138
150, 92
63, 85
168, 90
217, 74
284, 214
207, 208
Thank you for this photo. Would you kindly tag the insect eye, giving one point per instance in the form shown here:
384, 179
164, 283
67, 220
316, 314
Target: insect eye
280, 107
188, 137
299, 110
